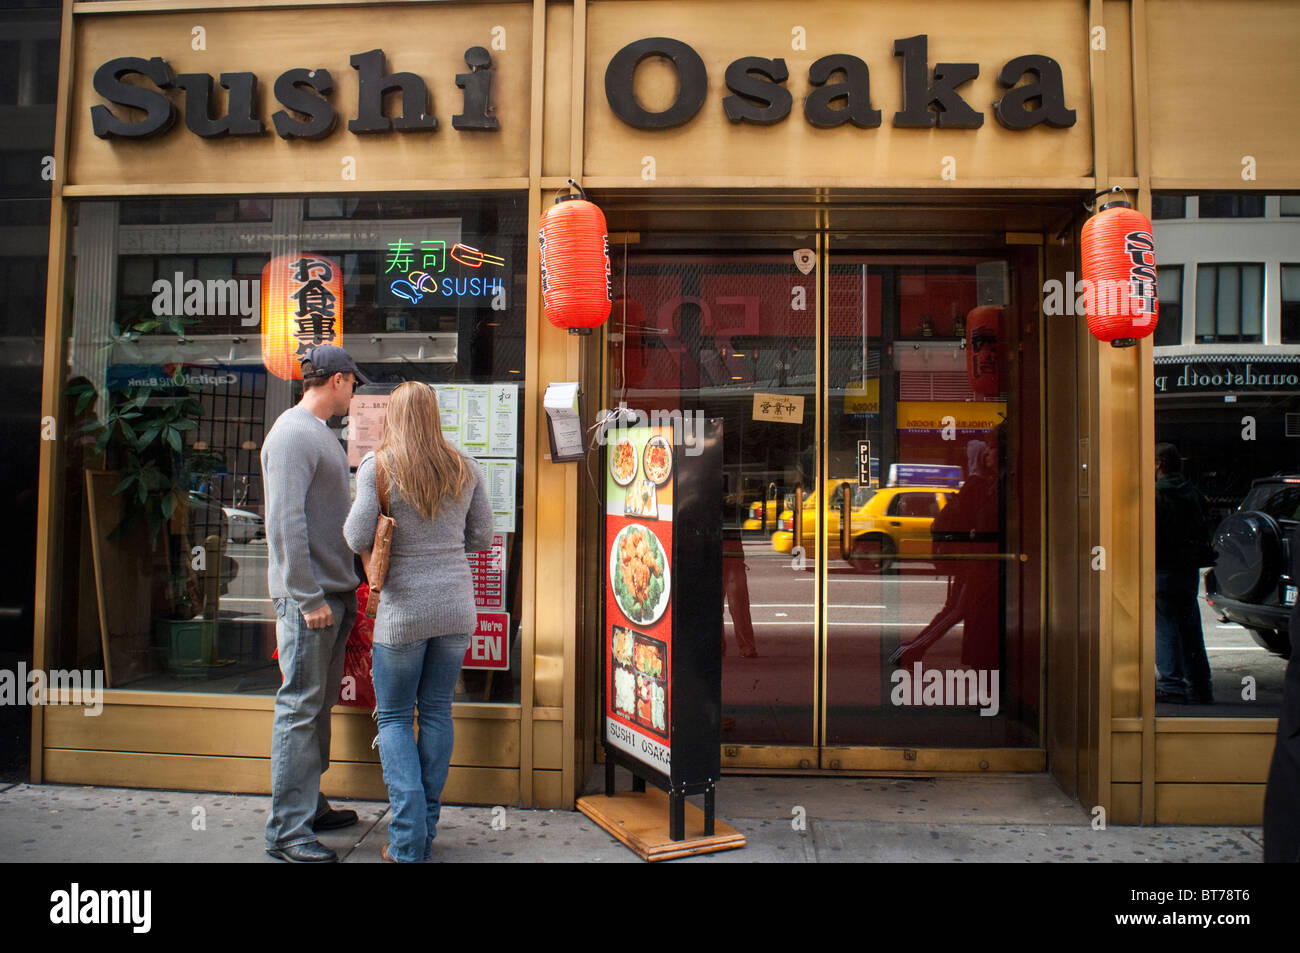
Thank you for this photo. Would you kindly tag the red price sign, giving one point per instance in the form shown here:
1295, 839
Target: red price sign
489, 573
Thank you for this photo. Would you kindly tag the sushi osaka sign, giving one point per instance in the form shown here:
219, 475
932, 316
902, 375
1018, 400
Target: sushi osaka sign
638, 595
839, 90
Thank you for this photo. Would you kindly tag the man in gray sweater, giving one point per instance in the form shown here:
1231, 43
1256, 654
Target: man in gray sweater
313, 585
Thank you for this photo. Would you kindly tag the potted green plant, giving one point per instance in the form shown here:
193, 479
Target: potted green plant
140, 436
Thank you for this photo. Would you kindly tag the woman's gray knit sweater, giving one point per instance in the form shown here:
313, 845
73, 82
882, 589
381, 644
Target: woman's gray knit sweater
428, 590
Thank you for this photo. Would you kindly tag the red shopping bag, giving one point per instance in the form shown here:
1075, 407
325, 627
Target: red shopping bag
357, 689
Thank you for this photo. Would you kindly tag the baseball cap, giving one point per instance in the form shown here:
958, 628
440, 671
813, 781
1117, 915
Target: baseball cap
330, 359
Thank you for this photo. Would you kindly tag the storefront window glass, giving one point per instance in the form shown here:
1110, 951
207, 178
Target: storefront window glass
1229, 303
1229, 405
1291, 304
1169, 329
1232, 205
8, 72
171, 391
1169, 205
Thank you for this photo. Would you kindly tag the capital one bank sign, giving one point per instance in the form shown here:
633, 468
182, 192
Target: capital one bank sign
838, 94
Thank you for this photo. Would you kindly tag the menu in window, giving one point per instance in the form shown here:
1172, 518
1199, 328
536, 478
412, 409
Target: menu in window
501, 492
481, 419
504, 410
365, 425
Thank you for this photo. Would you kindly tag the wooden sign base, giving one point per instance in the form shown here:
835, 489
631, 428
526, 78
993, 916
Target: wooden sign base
640, 820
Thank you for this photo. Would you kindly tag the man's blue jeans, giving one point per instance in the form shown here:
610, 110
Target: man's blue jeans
423, 673
311, 661
1183, 667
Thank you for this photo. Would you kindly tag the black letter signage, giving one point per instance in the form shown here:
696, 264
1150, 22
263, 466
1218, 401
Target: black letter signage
477, 84
159, 111
238, 120
839, 94
855, 91
1048, 88
320, 114
692, 78
954, 112
374, 85
759, 99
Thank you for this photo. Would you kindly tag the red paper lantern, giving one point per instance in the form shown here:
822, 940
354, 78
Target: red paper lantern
984, 350
302, 306
576, 283
1119, 274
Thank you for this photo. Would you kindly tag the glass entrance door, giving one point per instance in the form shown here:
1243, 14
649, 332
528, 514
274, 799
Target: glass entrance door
881, 502
931, 413
735, 335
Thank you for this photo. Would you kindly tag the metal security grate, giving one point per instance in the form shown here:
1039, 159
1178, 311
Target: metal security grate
931, 385
233, 426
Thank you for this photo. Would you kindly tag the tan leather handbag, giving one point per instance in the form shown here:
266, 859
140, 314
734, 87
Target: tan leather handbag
375, 562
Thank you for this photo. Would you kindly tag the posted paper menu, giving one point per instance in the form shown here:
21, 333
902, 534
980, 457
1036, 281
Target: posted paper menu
561, 404
505, 420
481, 419
501, 492
365, 425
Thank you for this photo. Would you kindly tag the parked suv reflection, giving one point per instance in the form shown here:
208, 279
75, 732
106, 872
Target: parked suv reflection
1251, 582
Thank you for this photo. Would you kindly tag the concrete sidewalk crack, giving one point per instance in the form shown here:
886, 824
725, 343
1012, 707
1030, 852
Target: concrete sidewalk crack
382, 814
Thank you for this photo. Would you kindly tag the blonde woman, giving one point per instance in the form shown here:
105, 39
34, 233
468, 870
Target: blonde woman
438, 498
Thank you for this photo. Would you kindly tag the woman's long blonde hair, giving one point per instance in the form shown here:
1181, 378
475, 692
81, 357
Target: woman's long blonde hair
417, 459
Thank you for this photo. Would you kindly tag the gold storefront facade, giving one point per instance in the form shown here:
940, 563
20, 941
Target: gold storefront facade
1161, 95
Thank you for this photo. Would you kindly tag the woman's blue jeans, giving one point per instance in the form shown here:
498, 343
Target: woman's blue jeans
422, 674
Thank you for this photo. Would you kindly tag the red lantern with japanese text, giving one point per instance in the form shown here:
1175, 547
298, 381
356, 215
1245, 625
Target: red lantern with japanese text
1119, 274
576, 282
302, 306
984, 349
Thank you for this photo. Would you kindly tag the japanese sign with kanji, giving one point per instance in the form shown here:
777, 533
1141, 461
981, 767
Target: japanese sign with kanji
780, 408
443, 272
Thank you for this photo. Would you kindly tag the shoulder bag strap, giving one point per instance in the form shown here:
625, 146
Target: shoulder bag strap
381, 486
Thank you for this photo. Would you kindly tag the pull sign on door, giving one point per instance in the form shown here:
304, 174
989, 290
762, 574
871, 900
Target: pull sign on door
864, 463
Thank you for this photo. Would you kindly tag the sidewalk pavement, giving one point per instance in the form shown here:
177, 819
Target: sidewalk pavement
879, 820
